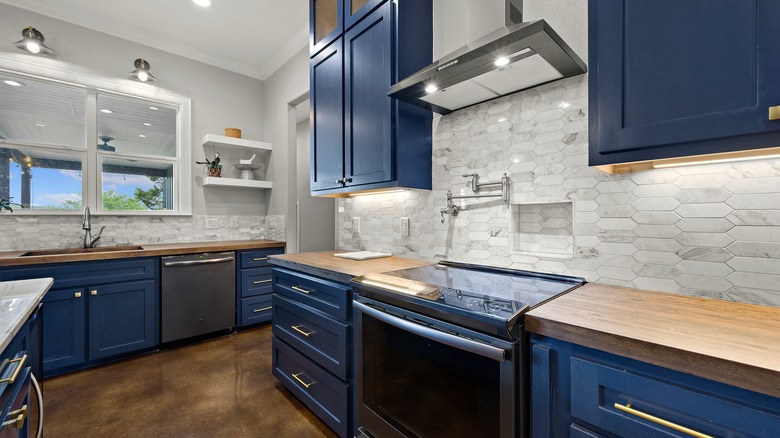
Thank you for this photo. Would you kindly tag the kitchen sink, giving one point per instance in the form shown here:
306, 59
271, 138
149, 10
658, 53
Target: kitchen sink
65, 251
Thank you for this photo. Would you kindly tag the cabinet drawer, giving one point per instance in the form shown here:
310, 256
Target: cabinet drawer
324, 394
14, 364
258, 258
255, 309
77, 274
321, 338
596, 390
256, 281
327, 296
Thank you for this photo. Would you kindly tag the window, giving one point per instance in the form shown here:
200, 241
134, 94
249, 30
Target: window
68, 143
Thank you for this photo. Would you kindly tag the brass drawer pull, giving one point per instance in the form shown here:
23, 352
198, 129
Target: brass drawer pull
260, 259
774, 112
15, 423
262, 310
628, 409
261, 281
305, 385
19, 365
303, 289
297, 328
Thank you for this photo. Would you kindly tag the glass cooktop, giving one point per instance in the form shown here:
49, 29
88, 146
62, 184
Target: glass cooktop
494, 295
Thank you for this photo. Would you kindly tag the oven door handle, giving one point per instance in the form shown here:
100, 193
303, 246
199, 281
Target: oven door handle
497, 354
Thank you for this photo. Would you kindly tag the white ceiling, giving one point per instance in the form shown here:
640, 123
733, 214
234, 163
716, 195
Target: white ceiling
251, 37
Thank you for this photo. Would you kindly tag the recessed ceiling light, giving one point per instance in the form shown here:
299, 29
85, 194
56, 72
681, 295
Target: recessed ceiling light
40, 124
153, 108
500, 62
431, 89
204, 3
565, 105
147, 124
13, 83
106, 111
141, 135
502, 119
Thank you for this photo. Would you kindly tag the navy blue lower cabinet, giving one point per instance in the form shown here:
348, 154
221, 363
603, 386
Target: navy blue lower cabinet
122, 318
64, 331
580, 392
673, 78
254, 286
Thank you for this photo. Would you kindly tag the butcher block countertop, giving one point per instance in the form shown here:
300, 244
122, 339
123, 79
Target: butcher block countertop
733, 343
14, 258
324, 264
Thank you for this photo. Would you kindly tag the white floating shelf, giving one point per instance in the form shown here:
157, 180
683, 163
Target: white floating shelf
221, 141
211, 181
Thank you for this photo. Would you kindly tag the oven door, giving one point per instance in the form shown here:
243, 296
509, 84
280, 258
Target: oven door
418, 376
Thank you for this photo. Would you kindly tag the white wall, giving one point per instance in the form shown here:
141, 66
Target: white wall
220, 98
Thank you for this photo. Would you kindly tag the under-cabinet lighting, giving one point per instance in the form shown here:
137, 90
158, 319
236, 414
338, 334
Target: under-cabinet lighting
377, 193
13, 83
500, 62
662, 165
431, 89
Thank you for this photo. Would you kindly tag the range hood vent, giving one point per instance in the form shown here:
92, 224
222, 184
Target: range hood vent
514, 58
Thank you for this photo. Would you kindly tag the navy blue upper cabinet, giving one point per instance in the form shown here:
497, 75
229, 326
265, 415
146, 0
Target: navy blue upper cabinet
672, 79
122, 318
325, 23
327, 127
355, 10
361, 139
368, 74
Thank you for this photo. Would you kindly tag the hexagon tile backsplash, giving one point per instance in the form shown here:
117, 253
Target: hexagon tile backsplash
710, 230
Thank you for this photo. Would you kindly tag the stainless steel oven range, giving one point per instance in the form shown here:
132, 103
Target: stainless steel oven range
440, 350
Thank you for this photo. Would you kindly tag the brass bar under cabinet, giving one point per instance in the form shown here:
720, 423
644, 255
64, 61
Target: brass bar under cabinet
20, 364
628, 409
305, 385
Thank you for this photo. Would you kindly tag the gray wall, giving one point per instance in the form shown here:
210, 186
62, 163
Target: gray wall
220, 98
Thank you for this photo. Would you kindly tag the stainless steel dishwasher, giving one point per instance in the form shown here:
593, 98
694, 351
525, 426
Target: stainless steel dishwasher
198, 295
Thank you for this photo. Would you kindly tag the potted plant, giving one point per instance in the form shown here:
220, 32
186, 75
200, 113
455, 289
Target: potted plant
5, 204
213, 166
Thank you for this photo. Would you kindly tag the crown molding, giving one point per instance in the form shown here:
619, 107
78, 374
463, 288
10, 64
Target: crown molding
113, 28
298, 41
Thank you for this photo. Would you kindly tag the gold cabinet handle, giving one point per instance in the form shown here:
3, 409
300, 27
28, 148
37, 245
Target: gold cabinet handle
628, 409
93, 292
17, 422
303, 290
305, 385
774, 112
260, 259
77, 295
262, 310
261, 281
19, 365
297, 328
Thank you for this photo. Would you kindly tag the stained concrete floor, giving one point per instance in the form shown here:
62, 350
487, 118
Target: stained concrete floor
217, 388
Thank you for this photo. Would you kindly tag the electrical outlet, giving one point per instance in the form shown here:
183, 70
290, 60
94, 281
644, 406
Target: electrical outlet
404, 227
356, 225
212, 222
272, 221
233, 221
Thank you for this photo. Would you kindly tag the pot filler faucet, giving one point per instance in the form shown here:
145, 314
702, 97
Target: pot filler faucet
452, 209
86, 225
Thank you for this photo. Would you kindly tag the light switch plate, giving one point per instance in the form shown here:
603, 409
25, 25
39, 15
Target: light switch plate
404, 227
212, 222
356, 224
233, 221
272, 222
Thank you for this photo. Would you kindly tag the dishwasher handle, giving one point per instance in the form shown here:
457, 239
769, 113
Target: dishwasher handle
198, 262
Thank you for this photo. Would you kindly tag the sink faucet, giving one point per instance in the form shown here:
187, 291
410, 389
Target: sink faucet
86, 225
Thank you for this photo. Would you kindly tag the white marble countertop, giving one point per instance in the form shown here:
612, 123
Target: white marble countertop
17, 301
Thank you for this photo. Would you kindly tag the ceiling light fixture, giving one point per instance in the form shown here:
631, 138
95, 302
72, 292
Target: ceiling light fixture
147, 124
39, 124
13, 83
431, 89
106, 111
142, 72
500, 62
203, 3
32, 41
141, 135
153, 108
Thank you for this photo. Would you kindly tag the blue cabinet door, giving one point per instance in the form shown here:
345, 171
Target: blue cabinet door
355, 10
671, 78
122, 318
326, 23
64, 333
368, 68
327, 123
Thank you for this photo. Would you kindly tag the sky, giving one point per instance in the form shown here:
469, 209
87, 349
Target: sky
52, 187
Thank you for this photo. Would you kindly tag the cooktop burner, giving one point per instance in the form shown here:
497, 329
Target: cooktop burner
466, 294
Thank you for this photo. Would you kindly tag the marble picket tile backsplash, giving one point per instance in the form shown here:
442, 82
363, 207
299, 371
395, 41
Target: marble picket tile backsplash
711, 230
45, 232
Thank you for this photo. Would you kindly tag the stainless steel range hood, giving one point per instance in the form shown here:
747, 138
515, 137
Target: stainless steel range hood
516, 57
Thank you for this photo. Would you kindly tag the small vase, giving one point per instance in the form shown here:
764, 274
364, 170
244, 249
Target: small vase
215, 171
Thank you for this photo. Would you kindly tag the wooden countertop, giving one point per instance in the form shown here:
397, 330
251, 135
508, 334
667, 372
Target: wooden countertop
14, 258
733, 343
324, 264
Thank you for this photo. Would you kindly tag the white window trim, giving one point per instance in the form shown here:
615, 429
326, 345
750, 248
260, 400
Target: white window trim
122, 88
